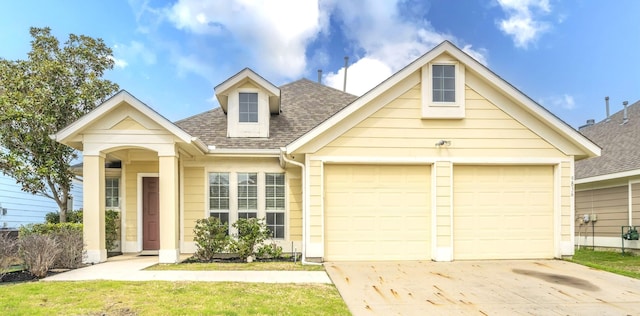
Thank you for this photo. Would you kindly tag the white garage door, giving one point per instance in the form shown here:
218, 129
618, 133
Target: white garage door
377, 212
503, 212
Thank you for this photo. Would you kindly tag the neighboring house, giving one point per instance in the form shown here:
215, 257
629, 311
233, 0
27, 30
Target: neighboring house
442, 161
609, 186
24, 208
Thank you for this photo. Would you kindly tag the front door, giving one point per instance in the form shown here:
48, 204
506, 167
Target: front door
150, 214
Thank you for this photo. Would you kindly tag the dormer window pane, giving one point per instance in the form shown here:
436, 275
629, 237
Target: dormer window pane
248, 107
444, 83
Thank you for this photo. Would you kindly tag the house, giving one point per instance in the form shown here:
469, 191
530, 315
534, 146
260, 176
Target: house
19, 208
608, 187
442, 161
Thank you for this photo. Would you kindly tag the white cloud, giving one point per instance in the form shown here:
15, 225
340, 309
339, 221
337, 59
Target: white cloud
362, 76
523, 20
275, 32
564, 101
387, 39
119, 63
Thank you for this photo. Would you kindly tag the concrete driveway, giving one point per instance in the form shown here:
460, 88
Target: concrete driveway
507, 287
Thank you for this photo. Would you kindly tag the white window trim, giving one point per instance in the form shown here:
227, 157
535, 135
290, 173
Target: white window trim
115, 208
443, 110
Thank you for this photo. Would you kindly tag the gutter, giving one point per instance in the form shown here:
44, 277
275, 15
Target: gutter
283, 158
270, 153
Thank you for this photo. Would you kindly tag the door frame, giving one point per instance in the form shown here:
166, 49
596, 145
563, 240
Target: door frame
139, 205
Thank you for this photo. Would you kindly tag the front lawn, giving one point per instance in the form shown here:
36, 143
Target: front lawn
167, 298
229, 266
626, 264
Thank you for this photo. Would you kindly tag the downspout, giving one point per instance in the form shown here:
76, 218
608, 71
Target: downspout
284, 158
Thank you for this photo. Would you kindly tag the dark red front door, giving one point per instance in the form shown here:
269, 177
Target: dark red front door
150, 214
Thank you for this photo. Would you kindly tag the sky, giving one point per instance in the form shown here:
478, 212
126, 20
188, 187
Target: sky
565, 55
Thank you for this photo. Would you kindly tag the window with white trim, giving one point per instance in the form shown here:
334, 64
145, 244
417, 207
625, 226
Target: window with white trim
248, 107
219, 196
247, 195
275, 204
112, 192
443, 89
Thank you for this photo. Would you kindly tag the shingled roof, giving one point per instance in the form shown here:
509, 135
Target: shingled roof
304, 105
620, 145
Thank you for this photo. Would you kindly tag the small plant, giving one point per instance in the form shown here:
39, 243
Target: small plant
39, 253
111, 228
211, 237
8, 252
251, 233
269, 251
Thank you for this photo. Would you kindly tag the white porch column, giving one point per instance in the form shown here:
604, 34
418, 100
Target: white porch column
94, 205
169, 210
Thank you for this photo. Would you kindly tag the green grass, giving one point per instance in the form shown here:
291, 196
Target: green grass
169, 298
626, 264
226, 266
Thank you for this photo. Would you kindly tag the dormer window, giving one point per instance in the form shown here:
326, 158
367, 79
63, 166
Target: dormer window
248, 106
443, 84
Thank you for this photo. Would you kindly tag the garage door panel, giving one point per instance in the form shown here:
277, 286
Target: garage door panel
503, 212
377, 212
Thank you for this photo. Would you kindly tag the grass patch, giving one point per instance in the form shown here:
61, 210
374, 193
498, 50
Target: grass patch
168, 298
626, 264
228, 266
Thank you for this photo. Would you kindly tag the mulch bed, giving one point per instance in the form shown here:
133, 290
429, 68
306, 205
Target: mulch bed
23, 276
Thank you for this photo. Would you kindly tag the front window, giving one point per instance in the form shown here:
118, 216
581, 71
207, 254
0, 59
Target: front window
219, 196
444, 83
112, 192
247, 195
274, 200
248, 107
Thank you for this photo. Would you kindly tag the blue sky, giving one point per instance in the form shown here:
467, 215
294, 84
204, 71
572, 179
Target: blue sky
566, 55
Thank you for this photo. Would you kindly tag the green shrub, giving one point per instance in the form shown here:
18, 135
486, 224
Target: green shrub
72, 217
251, 233
39, 252
269, 251
211, 237
48, 228
111, 228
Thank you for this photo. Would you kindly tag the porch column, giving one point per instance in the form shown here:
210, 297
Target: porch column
169, 208
94, 205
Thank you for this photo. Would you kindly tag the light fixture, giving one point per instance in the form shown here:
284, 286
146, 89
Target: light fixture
443, 142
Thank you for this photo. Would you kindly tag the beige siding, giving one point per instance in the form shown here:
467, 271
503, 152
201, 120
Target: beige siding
295, 203
503, 212
377, 212
315, 201
194, 199
131, 188
611, 207
635, 189
397, 129
443, 203
566, 198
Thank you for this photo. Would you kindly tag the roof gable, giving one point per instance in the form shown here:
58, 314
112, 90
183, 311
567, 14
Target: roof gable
570, 140
123, 100
242, 77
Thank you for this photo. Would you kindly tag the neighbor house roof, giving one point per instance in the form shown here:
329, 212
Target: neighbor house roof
620, 144
304, 105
